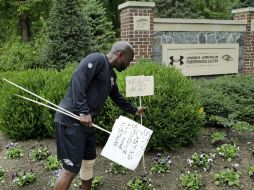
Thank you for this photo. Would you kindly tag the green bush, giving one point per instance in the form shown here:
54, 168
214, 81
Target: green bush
17, 55
21, 119
64, 43
229, 97
103, 34
172, 112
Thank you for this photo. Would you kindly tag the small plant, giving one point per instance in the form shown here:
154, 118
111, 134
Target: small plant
52, 163
140, 183
251, 172
243, 126
202, 160
228, 151
14, 152
228, 176
252, 149
24, 178
2, 174
218, 137
117, 169
39, 153
161, 164
97, 181
191, 180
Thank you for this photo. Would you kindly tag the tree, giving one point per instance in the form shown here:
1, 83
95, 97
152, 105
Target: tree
17, 17
102, 29
214, 9
208, 9
246, 3
113, 12
68, 35
174, 9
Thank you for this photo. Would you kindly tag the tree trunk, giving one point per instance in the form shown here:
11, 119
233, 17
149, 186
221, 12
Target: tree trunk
25, 27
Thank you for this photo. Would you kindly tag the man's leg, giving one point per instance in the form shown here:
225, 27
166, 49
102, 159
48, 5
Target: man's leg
86, 174
64, 180
86, 184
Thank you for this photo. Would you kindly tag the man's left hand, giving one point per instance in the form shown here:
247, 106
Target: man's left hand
140, 111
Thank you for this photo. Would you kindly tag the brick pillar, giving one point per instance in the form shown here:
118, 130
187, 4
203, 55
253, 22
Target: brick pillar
248, 15
136, 19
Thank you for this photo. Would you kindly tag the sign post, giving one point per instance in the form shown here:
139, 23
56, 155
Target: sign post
140, 86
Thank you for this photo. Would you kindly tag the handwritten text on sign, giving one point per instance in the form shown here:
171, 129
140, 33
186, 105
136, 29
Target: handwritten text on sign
127, 142
139, 86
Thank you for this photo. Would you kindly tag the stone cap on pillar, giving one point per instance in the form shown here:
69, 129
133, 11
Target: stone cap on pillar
136, 4
243, 10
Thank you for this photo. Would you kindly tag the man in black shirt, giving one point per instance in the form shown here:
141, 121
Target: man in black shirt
92, 82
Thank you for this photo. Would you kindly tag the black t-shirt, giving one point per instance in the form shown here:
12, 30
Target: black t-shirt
92, 82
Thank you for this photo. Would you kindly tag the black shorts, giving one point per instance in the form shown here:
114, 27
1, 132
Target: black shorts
74, 144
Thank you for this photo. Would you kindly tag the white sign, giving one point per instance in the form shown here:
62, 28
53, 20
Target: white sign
127, 142
202, 59
139, 86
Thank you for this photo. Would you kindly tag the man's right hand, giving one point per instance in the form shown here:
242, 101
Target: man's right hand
86, 120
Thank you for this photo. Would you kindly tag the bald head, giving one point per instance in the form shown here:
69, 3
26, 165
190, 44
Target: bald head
121, 55
122, 46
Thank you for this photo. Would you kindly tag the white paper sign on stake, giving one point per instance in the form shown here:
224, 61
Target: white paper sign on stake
127, 142
139, 86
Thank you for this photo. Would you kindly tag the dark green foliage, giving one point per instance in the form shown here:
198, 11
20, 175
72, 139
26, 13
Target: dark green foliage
102, 30
113, 13
246, 3
68, 35
230, 97
214, 9
17, 55
172, 112
208, 9
174, 9
21, 119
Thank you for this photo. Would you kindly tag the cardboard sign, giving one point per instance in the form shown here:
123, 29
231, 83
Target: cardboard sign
127, 142
139, 86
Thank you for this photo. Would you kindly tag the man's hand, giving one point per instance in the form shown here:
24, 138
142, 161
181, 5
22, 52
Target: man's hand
141, 111
86, 120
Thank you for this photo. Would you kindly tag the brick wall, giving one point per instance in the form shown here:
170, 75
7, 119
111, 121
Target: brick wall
142, 41
249, 41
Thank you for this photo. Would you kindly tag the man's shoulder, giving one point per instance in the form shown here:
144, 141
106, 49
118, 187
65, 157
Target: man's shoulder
96, 56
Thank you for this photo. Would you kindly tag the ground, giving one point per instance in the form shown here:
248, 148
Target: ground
111, 181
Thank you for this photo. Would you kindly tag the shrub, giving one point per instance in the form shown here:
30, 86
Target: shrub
21, 119
172, 112
229, 97
65, 44
17, 55
103, 34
